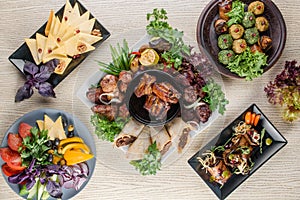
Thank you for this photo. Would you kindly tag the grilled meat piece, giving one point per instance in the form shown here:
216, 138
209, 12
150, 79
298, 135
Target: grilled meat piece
145, 85
125, 140
105, 110
203, 111
190, 94
93, 95
123, 111
166, 92
184, 82
156, 107
219, 172
109, 83
124, 79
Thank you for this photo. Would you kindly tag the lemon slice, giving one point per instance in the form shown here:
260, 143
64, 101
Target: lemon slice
149, 57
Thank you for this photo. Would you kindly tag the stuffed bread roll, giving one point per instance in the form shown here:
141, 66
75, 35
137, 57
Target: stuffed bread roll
179, 132
140, 146
129, 133
162, 139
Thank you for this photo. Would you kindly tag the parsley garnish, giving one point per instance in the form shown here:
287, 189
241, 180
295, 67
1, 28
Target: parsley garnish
159, 27
105, 129
35, 147
215, 97
150, 163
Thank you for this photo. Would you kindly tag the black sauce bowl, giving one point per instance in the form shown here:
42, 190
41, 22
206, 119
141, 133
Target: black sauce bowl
135, 105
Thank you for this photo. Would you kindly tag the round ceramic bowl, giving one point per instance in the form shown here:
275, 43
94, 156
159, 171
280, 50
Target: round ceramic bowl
135, 105
207, 37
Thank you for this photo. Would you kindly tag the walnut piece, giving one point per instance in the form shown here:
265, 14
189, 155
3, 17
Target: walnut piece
81, 47
96, 32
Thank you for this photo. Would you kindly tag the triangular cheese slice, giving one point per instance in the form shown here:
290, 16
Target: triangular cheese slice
40, 124
74, 46
57, 130
71, 46
85, 27
41, 43
48, 123
58, 52
67, 11
50, 45
56, 26
49, 23
61, 35
88, 38
75, 15
31, 43
81, 19
63, 64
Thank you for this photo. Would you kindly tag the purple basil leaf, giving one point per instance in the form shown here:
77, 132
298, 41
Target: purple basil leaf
54, 189
42, 76
30, 68
46, 68
46, 90
24, 92
52, 64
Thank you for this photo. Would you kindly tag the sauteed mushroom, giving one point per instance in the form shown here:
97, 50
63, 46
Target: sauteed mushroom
221, 26
265, 42
225, 6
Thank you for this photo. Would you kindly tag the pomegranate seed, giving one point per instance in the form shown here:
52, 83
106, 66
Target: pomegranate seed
227, 7
253, 34
251, 18
256, 137
225, 40
258, 7
49, 50
242, 46
40, 50
58, 39
66, 18
263, 23
236, 30
229, 55
77, 31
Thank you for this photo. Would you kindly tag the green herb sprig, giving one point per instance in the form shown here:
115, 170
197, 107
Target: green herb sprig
121, 59
105, 129
215, 97
150, 163
35, 147
159, 27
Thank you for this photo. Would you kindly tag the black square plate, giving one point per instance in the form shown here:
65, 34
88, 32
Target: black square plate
23, 54
259, 159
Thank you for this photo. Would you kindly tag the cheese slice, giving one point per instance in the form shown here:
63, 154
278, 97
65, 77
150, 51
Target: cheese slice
40, 124
41, 43
75, 15
55, 29
63, 65
88, 38
75, 46
56, 53
57, 130
81, 19
67, 11
85, 27
50, 22
48, 123
31, 43
50, 45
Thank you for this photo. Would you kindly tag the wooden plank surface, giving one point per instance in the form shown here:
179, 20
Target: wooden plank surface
278, 179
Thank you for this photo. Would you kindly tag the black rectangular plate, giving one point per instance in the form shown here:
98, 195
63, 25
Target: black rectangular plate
23, 54
267, 152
